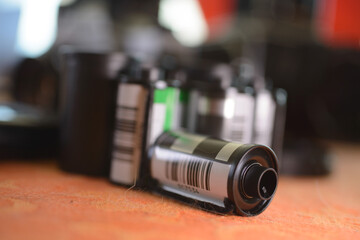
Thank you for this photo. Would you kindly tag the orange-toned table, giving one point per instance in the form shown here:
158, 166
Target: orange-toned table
39, 201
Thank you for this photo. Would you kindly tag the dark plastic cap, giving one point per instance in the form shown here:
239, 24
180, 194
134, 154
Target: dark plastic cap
137, 72
260, 182
176, 78
216, 77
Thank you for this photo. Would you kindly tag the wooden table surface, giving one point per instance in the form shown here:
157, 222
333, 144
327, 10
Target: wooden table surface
39, 201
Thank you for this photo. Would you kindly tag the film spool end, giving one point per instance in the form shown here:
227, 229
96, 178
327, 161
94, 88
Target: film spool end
260, 182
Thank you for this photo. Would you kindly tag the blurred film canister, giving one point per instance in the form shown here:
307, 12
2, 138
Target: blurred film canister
243, 123
144, 109
221, 109
243, 127
87, 97
228, 176
212, 102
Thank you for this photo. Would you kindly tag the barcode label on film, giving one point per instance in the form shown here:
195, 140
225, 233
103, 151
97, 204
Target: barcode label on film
128, 135
125, 129
190, 174
194, 173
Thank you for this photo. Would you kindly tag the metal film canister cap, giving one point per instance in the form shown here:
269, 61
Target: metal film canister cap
254, 180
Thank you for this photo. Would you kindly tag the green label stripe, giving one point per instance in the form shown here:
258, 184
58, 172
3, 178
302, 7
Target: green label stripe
184, 96
167, 96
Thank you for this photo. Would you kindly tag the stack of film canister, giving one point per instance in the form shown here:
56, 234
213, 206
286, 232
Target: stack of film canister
228, 175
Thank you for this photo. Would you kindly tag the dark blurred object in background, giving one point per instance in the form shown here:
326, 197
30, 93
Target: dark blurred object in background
35, 83
322, 85
88, 94
304, 157
27, 132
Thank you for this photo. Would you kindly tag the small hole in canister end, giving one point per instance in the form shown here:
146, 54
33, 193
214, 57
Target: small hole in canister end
267, 184
260, 182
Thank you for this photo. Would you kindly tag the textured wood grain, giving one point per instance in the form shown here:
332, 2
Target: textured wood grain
38, 201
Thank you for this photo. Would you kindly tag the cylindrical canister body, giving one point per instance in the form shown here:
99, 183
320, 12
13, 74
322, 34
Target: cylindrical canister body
87, 97
227, 114
232, 176
220, 107
212, 112
129, 136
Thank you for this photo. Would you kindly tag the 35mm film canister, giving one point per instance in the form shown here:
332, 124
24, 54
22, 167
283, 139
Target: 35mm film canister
229, 176
87, 98
220, 106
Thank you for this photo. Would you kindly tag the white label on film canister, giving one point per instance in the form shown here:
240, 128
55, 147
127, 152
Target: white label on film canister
242, 125
191, 176
178, 110
128, 133
264, 118
157, 121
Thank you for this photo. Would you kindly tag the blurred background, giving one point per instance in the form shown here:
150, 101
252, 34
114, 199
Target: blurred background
310, 48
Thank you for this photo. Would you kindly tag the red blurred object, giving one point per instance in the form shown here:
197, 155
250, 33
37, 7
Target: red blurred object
218, 15
339, 22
